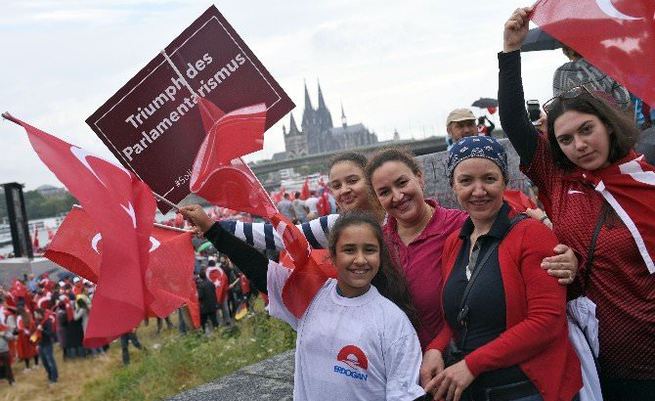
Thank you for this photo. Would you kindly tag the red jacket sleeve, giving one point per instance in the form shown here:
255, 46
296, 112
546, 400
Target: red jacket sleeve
545, 320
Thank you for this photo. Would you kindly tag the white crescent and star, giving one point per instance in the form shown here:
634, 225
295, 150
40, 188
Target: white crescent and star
154, 243
608, 8
82, 156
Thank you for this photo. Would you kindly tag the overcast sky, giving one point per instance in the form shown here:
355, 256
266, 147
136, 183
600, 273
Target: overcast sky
393, 65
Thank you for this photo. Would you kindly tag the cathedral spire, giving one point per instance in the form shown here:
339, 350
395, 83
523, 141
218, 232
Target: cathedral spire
321, 102
344, 121
293, 128
308, 102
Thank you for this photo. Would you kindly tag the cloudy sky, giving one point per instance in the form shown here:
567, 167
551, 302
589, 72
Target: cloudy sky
393, 65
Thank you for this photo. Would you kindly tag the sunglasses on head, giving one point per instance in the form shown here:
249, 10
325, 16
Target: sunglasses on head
571, 93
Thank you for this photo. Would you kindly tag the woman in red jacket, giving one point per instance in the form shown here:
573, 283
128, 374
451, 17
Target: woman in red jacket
506, 333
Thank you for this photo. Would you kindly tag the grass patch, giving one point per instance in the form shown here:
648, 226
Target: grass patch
183, 362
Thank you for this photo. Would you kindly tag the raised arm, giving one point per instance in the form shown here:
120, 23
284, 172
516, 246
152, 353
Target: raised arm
511, 100
264, 237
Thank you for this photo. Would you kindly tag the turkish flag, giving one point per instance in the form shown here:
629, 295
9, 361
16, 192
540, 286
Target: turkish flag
616, 36
304, 193
311, 268
122, 208
233, 186
219, 175
234, 134
78, 246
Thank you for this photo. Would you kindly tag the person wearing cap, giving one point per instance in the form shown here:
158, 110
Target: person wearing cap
506, 330
459, 124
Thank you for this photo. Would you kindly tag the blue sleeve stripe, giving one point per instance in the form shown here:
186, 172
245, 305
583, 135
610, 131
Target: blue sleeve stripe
228, 225
307, 230
247, 230
268, 236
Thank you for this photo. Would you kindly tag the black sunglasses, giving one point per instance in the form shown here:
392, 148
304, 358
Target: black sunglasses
568, 94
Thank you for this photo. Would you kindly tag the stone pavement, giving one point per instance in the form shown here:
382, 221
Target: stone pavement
271, 379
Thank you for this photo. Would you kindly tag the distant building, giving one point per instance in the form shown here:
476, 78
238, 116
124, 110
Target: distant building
49, 190
319, 135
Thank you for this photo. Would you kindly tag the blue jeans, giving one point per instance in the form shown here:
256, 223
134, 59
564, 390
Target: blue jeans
49, 363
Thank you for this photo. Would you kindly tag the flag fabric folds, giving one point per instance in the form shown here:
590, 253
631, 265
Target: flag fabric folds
304, 193
219, 175
78, 246
122, 208
617, 37
311, 268
233, 186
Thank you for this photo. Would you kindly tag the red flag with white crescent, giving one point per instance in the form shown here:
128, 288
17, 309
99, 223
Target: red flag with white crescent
616, 36
78, 247
122, 208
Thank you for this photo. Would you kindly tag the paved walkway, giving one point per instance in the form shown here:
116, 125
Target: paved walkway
271, 379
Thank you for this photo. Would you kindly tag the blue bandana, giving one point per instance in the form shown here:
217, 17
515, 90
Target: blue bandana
484, 147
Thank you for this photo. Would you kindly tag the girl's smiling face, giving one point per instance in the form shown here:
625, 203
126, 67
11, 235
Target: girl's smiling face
357, 259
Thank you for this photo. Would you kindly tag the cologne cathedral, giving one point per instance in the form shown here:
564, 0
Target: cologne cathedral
319, 135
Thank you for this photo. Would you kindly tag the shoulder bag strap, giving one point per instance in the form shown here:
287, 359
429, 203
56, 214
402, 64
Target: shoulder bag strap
592, 247
463, 307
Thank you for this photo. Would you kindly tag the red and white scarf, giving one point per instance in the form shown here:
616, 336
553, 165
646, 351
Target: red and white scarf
629, 187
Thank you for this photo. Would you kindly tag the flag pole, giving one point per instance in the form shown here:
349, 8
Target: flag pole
164, 226
11, 118
166, 201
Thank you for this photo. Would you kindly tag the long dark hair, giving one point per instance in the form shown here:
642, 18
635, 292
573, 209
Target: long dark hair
389, 280
622, 131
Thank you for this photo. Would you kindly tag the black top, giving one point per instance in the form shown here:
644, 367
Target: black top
511, 105
248, 259
486, 299
47, 333
206, 295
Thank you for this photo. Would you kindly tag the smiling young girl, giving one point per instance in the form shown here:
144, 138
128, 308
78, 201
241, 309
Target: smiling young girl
355, 340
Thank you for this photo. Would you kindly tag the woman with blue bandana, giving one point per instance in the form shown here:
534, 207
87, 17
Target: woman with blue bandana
506, 331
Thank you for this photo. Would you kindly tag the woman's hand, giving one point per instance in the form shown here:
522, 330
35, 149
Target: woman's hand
540, 215
516, 29
197, 216
563, 266
431, 366
451, 382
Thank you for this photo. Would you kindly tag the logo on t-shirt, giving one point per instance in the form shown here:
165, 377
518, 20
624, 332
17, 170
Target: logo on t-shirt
355, 360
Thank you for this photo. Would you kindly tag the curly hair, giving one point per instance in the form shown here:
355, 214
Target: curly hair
389, 280
622, 131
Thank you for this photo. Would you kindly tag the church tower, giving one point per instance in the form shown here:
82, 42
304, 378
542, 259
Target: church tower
295, 141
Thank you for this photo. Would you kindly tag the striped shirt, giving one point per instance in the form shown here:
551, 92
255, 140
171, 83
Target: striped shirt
264, 237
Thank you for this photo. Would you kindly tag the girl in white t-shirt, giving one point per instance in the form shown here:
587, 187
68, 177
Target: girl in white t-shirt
355, 340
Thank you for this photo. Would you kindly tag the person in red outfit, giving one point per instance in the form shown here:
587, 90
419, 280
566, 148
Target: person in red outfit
593, 185
506, 335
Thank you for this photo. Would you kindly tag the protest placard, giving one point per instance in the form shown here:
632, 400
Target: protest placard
153, 124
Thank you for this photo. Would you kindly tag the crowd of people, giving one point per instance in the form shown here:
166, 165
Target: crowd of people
426, 302
37, 313
433, 303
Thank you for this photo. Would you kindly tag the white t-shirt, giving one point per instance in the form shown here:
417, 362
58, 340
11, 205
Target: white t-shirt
311, 203
361, 348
